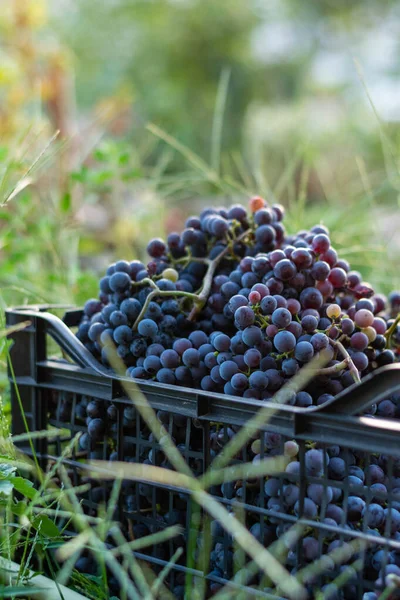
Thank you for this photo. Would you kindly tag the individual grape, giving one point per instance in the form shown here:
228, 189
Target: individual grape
323, 398
260, 288
210, 360
263, 216
228, 369
222, 342
320, 243
385, 358
156, 248
120, 282
281, 317
258, 380
148, 328
302, 258
181, 344
152, 364
386, 409
338, 277
166, 375
319, 493
314, 462
290, 367
337, 468
284, 341
252, 336
254, 298
275, 380
239, 382
295, 328
335, 512
330, 256
223, 356
309, 511
95, 331
290, 494
123, 335
304, 351
191, 357
320, 270
374, 474
309, 323
265, 235
215, 375
285, 269
252, 358
333, 311
364, 318
392, 515
319, 341
347, 326
138, 373
293, 306
170, 359
303, 399
248, 280
373, 515
244, 317
359, 341
268, 305
360, 361
355, 508
291, 448
311, 298
96, 429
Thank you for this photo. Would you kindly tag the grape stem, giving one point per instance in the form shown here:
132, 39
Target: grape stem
346, 362
208, 277
159, 293
391, 330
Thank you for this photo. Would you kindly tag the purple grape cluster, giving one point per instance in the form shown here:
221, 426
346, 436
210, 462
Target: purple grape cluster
236, 306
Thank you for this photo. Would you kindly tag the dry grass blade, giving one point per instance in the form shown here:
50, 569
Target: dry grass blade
155, 588
265, 561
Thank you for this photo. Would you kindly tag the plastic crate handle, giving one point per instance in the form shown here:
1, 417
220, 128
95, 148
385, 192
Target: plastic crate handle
376, 386
352, 401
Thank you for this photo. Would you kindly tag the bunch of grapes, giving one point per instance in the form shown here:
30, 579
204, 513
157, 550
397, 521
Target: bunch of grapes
236, 306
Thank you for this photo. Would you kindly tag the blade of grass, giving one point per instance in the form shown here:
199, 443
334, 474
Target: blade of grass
216, 131
155, 588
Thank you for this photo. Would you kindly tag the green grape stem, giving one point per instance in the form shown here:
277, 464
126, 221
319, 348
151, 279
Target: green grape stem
391, 330
346, 363
208, 277
160, 293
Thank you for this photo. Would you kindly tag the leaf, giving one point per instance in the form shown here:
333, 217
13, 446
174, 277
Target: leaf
6, 488
45, 526
24, 487
6, 470
66, 202
101, 176
80, 176
3, 152
21, 185
123, 158
19, 508
9, 591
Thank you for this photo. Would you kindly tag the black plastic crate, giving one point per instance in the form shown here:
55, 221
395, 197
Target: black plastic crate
55, 391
